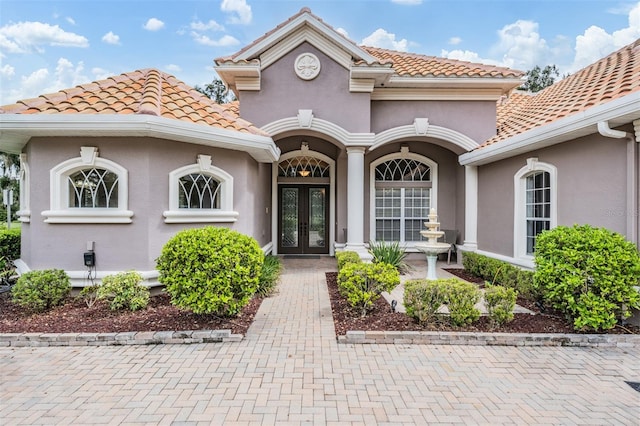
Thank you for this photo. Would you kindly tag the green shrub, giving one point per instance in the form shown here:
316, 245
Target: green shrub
41, 290
124, 291
390, 253
362, 283
269, 276
500, 302
89, 295
10, 244
589, 274
423, 298
501, 273
211, 270
344, 257
461, 298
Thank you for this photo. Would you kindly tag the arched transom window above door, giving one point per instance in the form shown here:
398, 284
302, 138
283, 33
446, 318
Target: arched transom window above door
303, 166
403, 192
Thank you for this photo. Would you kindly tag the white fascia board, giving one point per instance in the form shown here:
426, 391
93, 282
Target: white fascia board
617, 112
299, 21
505, 84
262, 148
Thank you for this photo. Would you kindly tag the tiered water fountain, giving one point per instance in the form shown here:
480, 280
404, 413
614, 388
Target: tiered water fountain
432, 248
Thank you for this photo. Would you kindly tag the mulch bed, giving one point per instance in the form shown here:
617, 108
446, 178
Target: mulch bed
75, 317
382, 318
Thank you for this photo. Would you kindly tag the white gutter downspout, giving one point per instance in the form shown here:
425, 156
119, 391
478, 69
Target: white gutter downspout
632, 177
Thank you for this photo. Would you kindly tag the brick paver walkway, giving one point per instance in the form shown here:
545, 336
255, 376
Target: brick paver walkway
289, 369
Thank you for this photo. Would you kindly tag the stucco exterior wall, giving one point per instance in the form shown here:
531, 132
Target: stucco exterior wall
475, 119
591, 189
282, 94
138, 244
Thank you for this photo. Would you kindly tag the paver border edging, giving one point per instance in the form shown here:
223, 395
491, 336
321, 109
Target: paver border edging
491, 339
118, 339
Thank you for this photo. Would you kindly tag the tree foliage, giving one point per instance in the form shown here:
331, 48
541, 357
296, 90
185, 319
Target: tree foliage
9, 179
540, 78
217, 91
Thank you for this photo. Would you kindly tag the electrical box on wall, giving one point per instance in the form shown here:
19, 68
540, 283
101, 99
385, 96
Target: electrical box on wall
89, 259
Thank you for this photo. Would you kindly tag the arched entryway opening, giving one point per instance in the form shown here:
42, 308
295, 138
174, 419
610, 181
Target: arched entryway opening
304, 203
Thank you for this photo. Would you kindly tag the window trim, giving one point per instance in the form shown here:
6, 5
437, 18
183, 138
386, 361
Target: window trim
520, 217
403, 154
24, 213
60, 212
202, 165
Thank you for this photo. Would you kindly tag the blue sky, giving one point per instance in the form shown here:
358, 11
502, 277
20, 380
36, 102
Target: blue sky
48, 45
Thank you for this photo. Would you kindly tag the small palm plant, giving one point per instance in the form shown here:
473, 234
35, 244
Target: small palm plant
389, 252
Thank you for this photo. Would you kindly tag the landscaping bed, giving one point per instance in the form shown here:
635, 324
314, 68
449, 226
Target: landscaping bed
381, 318
76, 317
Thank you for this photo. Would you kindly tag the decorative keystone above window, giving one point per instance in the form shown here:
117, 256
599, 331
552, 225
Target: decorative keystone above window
307, 66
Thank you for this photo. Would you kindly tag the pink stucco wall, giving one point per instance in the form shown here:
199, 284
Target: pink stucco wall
148, 161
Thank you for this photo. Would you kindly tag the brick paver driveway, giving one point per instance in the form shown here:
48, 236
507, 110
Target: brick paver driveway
289, 369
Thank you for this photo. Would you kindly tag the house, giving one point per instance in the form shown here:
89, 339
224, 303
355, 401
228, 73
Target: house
330, 146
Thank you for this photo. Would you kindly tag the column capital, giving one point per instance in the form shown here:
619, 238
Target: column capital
356, 149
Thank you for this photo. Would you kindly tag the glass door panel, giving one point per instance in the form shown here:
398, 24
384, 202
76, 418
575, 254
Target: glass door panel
289, 218
317, 217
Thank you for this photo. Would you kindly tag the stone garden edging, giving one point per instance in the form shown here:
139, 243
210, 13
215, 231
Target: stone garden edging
117, 339
492, 339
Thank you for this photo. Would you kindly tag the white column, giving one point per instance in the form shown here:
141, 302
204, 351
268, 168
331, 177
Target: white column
355, 201
471, 208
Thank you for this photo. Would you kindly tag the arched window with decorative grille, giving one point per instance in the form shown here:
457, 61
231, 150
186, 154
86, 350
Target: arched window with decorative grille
200, 193
88, 189
402, 192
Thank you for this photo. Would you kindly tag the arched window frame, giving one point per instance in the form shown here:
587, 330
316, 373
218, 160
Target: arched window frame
24, 214
202, 166
60, 212
520, 214
403, 154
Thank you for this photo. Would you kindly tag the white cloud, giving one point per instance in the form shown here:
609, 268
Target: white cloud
224, 41
100, 73
70, 20
454, 41
26, 37
7, 71
43, 81
239, 9
407, 2
596, 43
206, 26
343, 32
173, 68
383, 39
467, 55
521, 46
153, 24
111, 38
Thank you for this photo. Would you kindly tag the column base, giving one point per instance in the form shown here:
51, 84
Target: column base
360, 249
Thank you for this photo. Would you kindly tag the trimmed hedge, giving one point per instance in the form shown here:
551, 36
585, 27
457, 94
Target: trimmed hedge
361, 283
10, 244
344, 257
502, 273
40, 291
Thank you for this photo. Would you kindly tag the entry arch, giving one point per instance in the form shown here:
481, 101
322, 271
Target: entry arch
304, 152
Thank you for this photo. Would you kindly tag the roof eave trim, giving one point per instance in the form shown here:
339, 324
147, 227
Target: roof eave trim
480, 82
19, 128
562, 130
308, 19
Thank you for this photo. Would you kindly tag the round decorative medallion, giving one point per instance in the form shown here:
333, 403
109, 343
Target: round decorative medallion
307, 66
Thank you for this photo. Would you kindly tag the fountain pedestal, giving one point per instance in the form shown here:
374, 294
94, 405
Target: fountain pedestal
432, 248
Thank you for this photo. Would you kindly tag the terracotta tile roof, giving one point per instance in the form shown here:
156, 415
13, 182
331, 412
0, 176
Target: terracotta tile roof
146, 91
415, 65
610, 78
